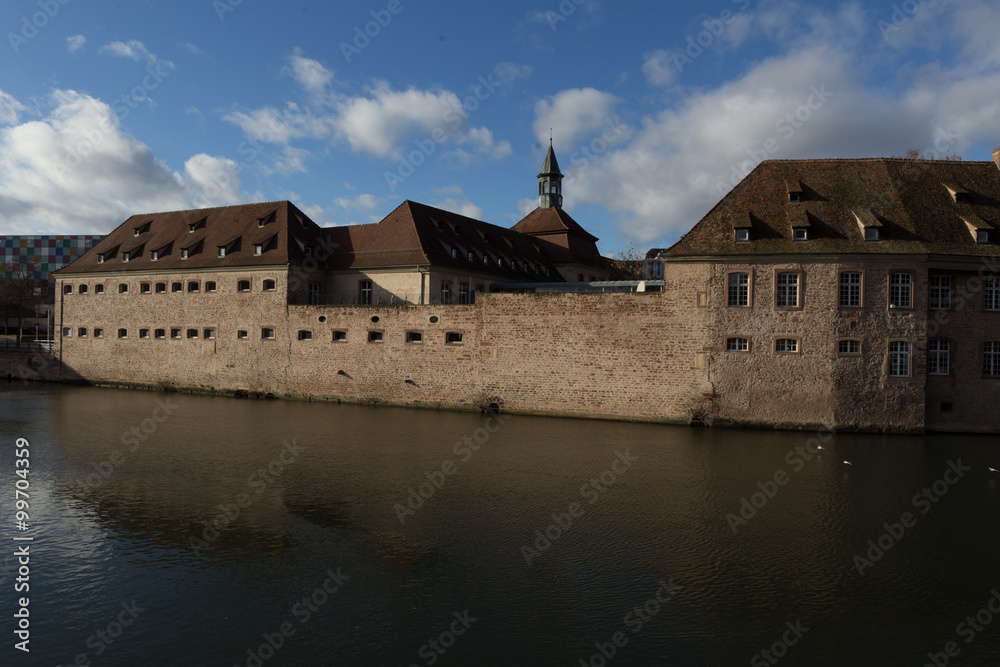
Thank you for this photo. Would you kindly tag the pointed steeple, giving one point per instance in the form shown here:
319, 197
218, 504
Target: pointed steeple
550, 182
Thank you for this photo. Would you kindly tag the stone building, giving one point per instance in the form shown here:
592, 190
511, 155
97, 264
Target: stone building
858, 293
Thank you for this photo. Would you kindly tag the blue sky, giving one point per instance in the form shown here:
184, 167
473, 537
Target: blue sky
656, 109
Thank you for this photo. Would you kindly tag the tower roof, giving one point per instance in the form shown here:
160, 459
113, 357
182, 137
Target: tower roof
551, 165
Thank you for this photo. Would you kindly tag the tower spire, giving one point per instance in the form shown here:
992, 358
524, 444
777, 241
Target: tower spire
550, 181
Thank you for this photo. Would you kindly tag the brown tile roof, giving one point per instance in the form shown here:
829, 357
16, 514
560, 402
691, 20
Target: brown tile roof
911, 202
543, 221
415, 234
285, 232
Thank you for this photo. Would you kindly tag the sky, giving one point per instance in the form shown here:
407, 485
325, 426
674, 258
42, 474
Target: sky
655, 110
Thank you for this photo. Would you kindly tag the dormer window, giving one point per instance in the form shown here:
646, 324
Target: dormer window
794, 197
258, 248
472, 256
100, 258
871, 234
742, 235
983, 237
800, 234
454, 253
154, 255
185, 253
126, 256
142, 229
198, 224
267, 219
222, 251
961, 198
308, 250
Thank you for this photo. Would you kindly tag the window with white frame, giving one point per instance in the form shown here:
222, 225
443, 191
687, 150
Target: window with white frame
787, 290
849, 348
900, 290
938, 357
739, 290
737, 345
940, 293
991, 359
899, 359
786, 345
850, 289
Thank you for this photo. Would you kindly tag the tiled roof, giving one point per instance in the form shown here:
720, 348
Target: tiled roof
285, 233
553, 220
912, 203
415, 234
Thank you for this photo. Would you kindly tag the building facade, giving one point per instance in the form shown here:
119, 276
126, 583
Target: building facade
35, 258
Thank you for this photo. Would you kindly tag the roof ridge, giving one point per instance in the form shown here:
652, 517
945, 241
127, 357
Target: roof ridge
277, 202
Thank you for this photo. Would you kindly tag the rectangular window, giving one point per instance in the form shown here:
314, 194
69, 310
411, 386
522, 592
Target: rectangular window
739, 290
899, 359
991, 359
871, 234
67, 332
940, 293
900, 290
850, 289
268, 285
123, 333
800, 234
143, 333
209, 334
123, 288
786, 345
267, 333
305, 335
81, 332
414, 337
192, 333
374, 336
742, 235
938, 357
98, 333
161, 288
446, 292
210, 286
453, 338
144, 288
463, 294
243, 286
787, 290
993, 294
242, 334
193, 286
849, 348
67, 289
314, 293
258, 248
160, 334
366, 292
154, 255
175, 334
176, 287
99, 289
185, 253
339, 336
737, 345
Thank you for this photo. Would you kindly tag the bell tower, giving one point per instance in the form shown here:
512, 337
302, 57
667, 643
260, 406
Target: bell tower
550, 182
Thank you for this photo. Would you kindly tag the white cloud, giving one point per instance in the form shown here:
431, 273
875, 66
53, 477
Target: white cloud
76, 171
192, 48
9, 109
309, 73
659, 67
134, 50
573, 114
75, 43
456, 202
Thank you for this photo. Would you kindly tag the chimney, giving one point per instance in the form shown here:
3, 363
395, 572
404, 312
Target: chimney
996, 157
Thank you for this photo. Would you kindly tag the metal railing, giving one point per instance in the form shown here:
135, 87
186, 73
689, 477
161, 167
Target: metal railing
27, 344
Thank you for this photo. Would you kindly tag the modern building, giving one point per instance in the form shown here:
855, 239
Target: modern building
36, 257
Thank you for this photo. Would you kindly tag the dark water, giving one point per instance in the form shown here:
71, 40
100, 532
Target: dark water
455, 571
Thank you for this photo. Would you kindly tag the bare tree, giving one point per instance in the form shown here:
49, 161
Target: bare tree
626, 265
914, 154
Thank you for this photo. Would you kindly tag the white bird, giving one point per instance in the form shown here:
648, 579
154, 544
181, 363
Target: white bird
994, 470
848, 463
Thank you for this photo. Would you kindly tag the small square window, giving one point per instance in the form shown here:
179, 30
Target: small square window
453, 338
961, 198
145, 288
414, 337
242, 334
267, 333
193, 286
161, 288
67, 289
794, 197
849, 348
175, 333
210, 286
243, 286
305, 335
871, 234
98, 289
98, 333
268, 285
983, 237
83, 289
800, 234
209, 334
742, 235
374, 336
176, 287
81, 332
160, 334
786, 345
339, 336
123, 288
192, 333
143, 333
67, 332
123, 333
